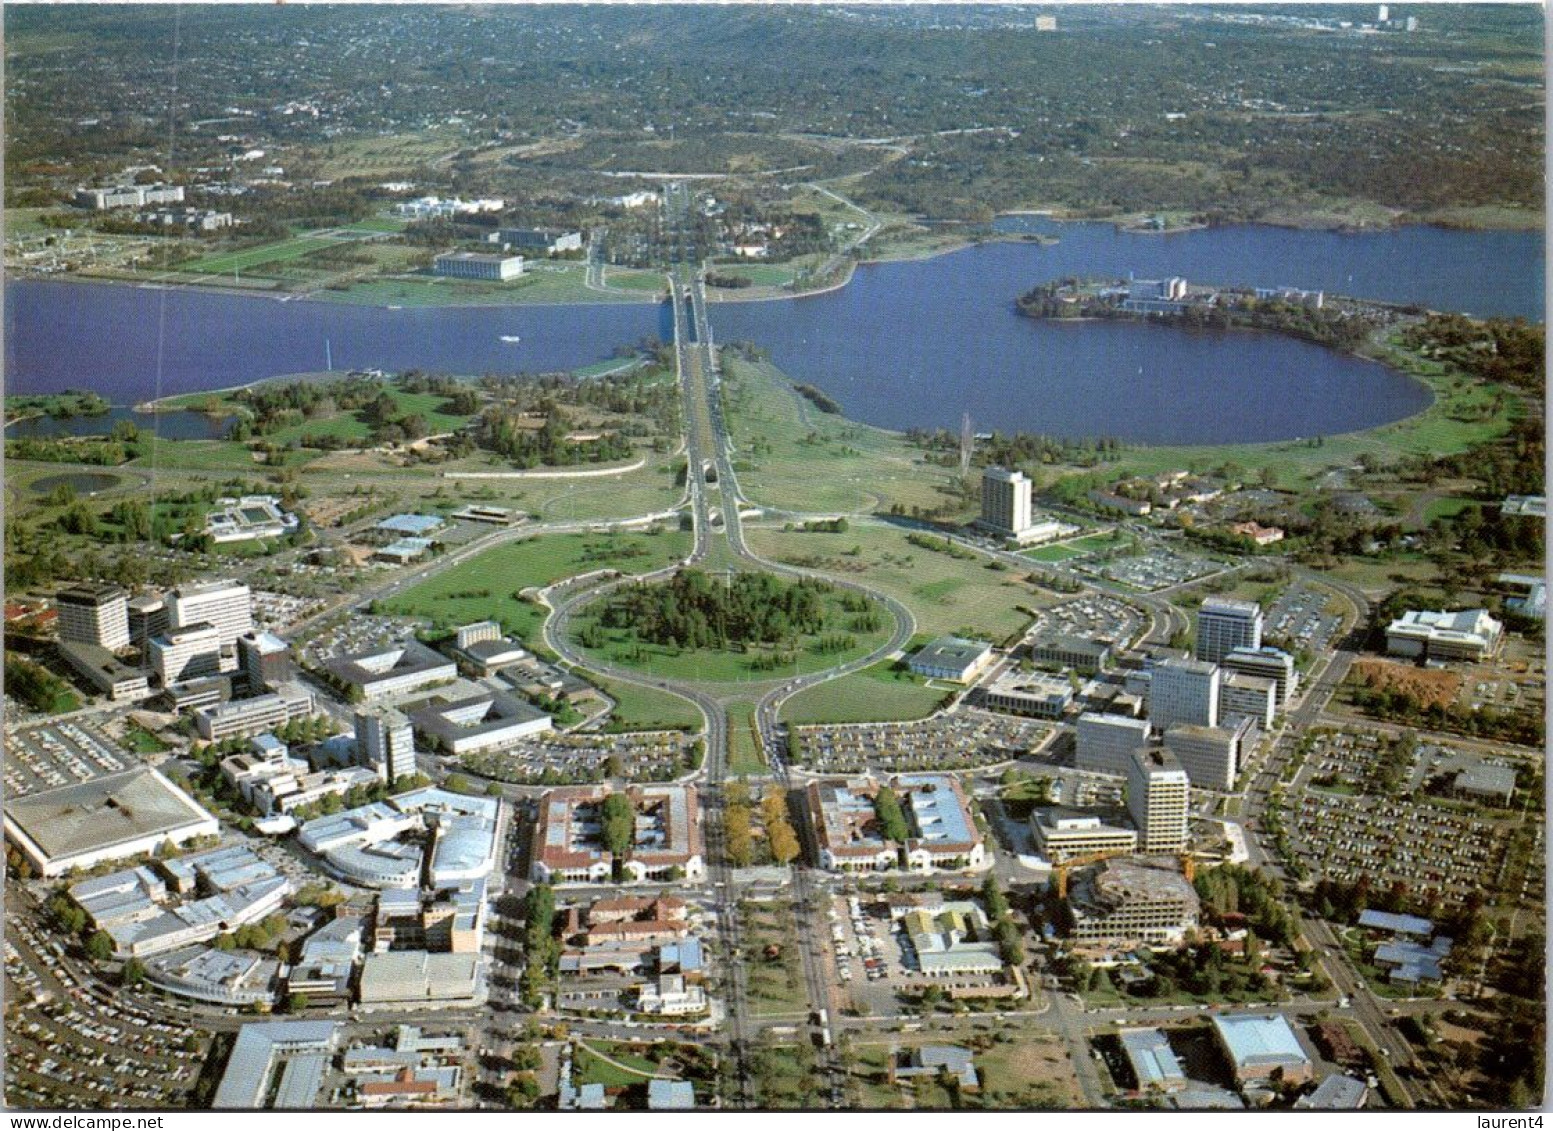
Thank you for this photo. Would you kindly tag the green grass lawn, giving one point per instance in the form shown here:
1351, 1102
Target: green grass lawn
633, 280
249, 258
761, 274
775, 984
744, 754
543, 283
944, 593
1447, 508
799, 458
647, 708
589, 1068
379, 224
486, 587
1051, 554
883, 692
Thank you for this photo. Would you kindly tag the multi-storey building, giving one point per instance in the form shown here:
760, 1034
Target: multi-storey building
1158, 799
1061, 835
186, 653
228, 605
241, 718
1127, 902
1470, 634
395, 670
1076, 652
148, 618
385, 742
264, 660
1247, 697
93, 614
1005, 501
473, 265
568, 845
127, 196
1266, 663
1209, 755
1224, 625
1184, 691
1105, 742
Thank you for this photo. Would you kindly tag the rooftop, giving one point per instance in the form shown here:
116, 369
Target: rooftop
246, 1080
1152, 1059
104, 812
951, 651
412, 524
1261, 1039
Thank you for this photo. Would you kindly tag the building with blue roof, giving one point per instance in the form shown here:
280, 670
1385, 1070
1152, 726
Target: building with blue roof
1412, 962
1262, 1047
670, 1095
1153, 1061
934, 1060
260, 1049
412, 525
1396, 924
1335, 1093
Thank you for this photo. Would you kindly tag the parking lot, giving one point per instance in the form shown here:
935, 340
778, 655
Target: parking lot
1303, 617
359, 633
47, 757
1153, 569
1096, 617
67, 1049
658, 755
957, 740
1431, 850
274, 611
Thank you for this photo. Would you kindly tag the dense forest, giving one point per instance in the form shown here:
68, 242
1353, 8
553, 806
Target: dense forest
695, 610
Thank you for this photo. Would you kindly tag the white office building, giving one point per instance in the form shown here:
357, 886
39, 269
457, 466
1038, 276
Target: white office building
385, 742
1105, 742
241, 718
1267, 663
188, 653
1061, 835
473, 265
1184, 691
226, 604
1224, 625
93, 614
1250, 697
1158, 799
1470, 634
1005, 501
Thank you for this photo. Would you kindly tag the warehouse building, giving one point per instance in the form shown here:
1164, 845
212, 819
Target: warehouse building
115, 817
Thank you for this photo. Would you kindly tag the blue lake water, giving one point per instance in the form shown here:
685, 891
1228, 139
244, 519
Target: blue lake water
911, 344
169, 425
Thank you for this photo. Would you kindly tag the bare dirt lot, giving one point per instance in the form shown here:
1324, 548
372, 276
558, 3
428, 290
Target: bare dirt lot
1428, 687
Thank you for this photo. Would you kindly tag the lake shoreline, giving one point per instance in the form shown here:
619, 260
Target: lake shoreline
1127, 224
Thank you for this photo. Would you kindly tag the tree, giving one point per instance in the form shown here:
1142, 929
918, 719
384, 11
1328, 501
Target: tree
134, 972
737, 829
784, 843
99, 948
297, 1002
619, 824
892, 822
